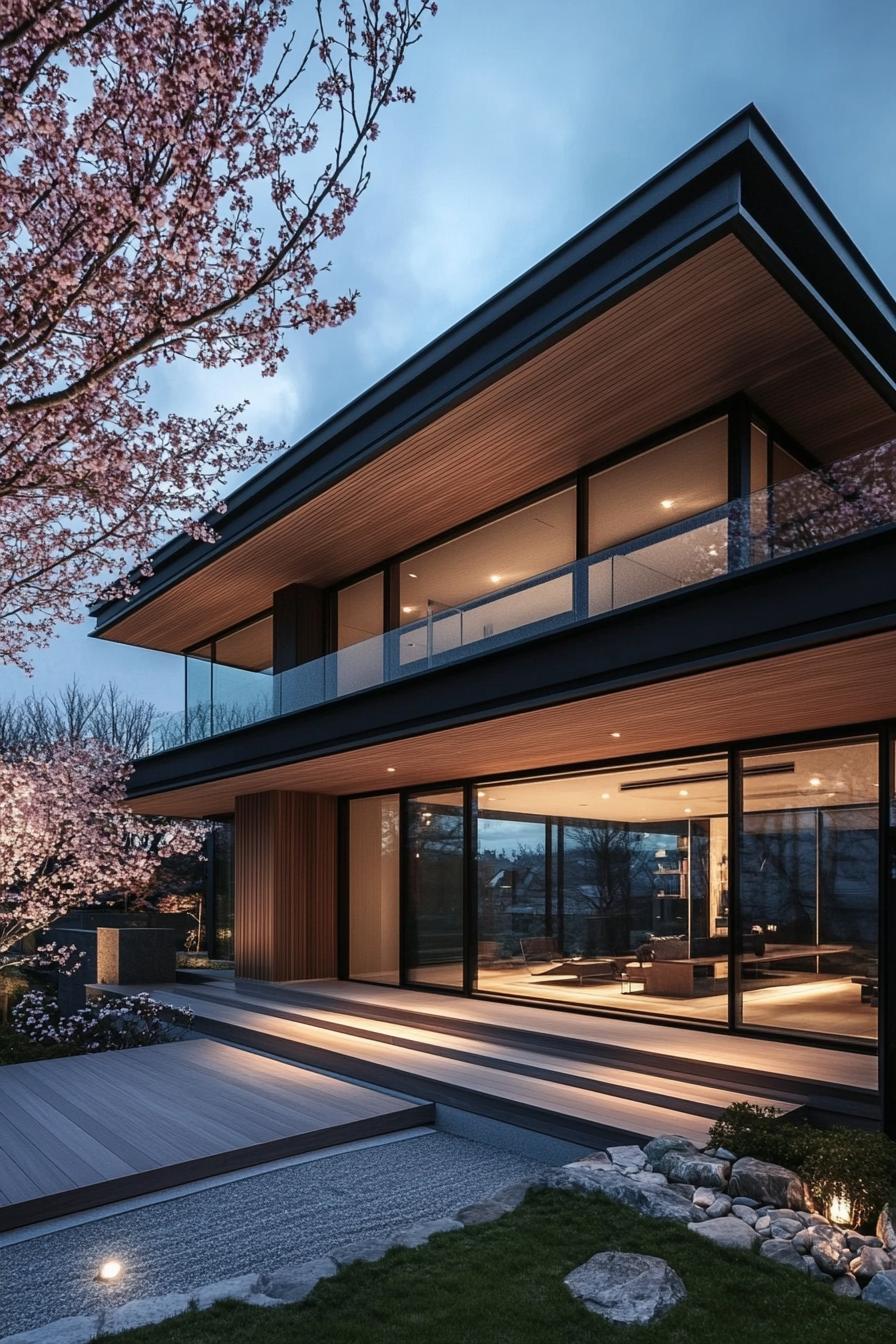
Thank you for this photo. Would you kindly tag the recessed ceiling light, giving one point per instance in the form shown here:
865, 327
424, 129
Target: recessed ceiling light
480, 793
814, 781
689, 809
666, 503
390, 769
605, 795
615, 734
494, 578
407, 610
411, 576
682, 793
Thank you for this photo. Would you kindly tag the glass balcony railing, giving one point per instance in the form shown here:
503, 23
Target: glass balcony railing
854, 495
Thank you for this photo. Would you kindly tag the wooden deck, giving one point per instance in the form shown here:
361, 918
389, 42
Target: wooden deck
93, 1129
583, 1079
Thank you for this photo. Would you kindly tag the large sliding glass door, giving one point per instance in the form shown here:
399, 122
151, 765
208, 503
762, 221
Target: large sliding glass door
618, 888
434, 909
809, 889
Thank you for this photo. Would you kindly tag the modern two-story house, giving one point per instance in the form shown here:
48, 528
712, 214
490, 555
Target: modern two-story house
558, 668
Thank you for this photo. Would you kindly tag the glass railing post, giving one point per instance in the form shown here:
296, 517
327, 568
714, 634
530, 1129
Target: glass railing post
580, 595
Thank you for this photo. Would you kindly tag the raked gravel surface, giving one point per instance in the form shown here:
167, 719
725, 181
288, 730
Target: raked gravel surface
258, 1223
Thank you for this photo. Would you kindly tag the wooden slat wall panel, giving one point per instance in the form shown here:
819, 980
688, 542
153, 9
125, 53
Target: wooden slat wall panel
285, 885
717, 324
796, 692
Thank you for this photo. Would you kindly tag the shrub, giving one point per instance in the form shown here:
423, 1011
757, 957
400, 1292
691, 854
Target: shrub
853, 1164
106, 1023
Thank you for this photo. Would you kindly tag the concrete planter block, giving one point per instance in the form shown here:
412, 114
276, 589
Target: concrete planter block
126, 956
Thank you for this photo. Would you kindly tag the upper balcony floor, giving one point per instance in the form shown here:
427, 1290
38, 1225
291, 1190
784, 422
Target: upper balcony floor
724, 494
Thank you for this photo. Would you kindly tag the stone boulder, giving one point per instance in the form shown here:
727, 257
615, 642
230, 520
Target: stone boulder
847, 1286
627, 1289
886, 1229
653, 1201
870, 1261
766, 1182
629, 1157
657, 1148
487, 1211
418, 1234
784, 1253
293, 1283
719, 1208
695, 1169
226, 1290
881, 1291
730, 1232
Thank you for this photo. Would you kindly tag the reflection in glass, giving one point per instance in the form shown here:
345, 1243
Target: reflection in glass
608, 889
435, 871
222, 888
809, 889
360, 614
373, 889
198, 719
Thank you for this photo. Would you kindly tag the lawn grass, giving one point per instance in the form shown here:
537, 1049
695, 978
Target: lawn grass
502, 1283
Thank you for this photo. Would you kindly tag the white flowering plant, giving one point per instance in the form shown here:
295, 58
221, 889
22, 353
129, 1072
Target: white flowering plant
105, 1023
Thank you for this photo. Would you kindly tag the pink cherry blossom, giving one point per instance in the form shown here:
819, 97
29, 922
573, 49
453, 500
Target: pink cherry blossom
170, 171
67, 840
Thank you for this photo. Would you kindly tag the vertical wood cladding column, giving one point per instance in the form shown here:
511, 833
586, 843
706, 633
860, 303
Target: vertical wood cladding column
285, 885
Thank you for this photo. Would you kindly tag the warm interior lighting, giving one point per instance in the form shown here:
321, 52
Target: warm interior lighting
666, 503
109, 1271
682, 793
411, 576
615, 734
494, 578
689, 809
814, 781
407, 610
605, 795
390, 769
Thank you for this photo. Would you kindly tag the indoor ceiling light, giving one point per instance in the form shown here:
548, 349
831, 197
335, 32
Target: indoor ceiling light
689, 809
682, 793
494, 578
605, 795
390, 769
666, 503
814, 781
411, 576
407, 610
615, 734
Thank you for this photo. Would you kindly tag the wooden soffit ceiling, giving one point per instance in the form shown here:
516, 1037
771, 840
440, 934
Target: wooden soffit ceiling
705, 709
715, 325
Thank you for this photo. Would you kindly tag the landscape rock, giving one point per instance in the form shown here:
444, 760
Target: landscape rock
657, 1148
763, 1224
653, 1201
783, 1253
510, 1197
488, 1211
746, 1214
237, 1289
628, 1155
362, 1250
67, 1330
418, 1234
726, 1154
881, 1291
627, 1289
649, 1178
767, 1182
814, 1272
847, 1286
870, 1261
703, 1197
695, 1168
293, 1283
262, 1300
886, 1228
731, 1232
744, 1201
830, 1258
683, 1188
785, 1229
144, 1311
719, 1208
856, 1240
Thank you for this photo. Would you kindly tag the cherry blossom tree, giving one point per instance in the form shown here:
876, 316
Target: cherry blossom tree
66, 840
169, 172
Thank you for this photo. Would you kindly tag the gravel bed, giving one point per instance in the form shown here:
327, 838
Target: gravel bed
258, 1223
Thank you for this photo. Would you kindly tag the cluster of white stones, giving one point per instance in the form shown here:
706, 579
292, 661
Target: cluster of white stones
743, 1204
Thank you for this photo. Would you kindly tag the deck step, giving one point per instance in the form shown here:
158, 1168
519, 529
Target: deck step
611, 1078
553, 1100
760, 1075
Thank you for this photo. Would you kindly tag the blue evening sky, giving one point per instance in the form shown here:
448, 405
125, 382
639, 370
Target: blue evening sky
531, 120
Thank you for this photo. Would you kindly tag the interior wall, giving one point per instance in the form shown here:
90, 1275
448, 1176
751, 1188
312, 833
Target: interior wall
373, 868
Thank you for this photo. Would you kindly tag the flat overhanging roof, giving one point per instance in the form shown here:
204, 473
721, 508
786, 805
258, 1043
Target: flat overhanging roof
725, 273
702, 710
